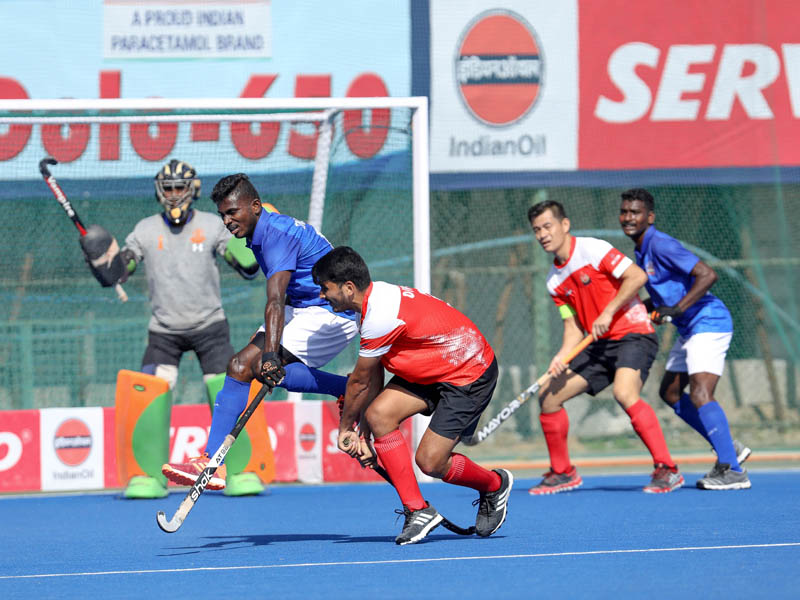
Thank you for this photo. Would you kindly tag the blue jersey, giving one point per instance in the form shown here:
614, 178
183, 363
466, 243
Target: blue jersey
668, 265
282, 243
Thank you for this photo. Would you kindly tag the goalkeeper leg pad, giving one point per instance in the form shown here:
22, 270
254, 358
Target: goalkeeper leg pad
142, 418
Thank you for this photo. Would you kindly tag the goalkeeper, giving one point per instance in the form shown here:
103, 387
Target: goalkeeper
179, 248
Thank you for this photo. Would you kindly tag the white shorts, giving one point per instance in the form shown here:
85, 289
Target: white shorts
700, 353
315, 335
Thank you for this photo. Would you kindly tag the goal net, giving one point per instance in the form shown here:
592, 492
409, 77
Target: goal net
355, 168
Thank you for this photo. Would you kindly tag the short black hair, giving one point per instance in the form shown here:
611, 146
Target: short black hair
642, 195
239, 183
340, 265
555, 207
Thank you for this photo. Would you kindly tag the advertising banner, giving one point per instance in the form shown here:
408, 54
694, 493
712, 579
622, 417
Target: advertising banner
190, 49
687, 84
504, 85
338, 466
189, 434
19, 451
72, 448
65, 449
280, 421
308, 441
157, 29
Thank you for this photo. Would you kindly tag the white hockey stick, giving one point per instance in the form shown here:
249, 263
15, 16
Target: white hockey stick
512, 406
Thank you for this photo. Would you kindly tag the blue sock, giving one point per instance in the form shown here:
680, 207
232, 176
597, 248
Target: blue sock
719, 433
687, 411
230, 402
302, 378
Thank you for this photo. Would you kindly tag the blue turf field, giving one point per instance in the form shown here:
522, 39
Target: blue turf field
606, 540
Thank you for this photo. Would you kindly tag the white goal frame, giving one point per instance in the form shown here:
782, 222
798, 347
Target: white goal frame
326, 106
314, 109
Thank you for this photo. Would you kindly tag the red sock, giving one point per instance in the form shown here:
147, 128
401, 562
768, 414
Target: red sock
465, 472
645, 424
393, 452
555, 427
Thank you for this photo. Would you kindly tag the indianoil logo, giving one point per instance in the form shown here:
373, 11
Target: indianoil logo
499, 67
72, 442
307, 437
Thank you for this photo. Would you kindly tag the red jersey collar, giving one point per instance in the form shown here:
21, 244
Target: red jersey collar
364, 301
571, 252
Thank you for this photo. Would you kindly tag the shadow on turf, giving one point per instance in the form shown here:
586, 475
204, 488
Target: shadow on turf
235, 542
583, 489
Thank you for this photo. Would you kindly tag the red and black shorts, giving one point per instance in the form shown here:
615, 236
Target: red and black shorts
600, 361
456, 409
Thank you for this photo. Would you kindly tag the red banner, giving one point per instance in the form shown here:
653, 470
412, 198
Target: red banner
686, 84
20, 456
280, 420
21, 460
338, 466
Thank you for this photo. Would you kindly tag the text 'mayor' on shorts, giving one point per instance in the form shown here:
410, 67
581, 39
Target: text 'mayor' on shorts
456, 409
699, 353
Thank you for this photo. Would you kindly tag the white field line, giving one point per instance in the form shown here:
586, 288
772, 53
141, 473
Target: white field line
409, 561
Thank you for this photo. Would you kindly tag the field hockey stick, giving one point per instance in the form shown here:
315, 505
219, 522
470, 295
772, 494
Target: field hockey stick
446, 523
200, 484
62, 199
512, 406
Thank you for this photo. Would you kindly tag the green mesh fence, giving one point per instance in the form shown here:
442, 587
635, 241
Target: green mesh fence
487, 263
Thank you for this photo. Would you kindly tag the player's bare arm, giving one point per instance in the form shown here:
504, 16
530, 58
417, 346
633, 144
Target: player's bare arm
271, 366
633, 278
704, 278
363, 384
573, 334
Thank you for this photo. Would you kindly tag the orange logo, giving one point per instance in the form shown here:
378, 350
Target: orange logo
161, 242
198, 236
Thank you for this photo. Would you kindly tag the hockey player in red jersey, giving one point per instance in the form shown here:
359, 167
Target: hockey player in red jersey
595, 287
442, 366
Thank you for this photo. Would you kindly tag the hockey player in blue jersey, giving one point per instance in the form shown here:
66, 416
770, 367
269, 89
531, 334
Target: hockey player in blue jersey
300, 333
678, 284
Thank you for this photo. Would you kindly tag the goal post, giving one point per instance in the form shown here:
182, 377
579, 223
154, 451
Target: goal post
355, 168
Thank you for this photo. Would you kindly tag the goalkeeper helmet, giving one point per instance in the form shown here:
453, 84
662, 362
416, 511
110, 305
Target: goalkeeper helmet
177, 186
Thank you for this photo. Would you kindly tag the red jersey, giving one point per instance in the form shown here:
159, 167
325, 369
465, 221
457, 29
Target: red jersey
589, 280
421, 338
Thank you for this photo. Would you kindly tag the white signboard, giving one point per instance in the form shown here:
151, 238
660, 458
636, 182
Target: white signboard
504, 85
71, 445
308, 436
158, 29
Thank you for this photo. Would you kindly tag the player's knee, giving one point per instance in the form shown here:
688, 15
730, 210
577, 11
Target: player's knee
431, 463
239, 369
380, 418
549, 403
700, 395
625, 396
